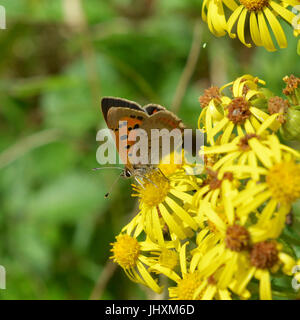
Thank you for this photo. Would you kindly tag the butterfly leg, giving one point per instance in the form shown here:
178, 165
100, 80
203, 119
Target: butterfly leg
140, 182
158, 169
149, 180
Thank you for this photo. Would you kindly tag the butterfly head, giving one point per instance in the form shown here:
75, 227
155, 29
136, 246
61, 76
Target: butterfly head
127, 173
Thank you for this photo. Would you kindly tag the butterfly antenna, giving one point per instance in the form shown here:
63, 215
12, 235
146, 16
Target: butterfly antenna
112, 186
108, 168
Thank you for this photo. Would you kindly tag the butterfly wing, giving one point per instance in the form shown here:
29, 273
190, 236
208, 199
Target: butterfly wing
162, 119
121, 117
110, 102
118, 112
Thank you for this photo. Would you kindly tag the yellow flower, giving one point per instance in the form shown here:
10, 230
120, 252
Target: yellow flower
190, 283
265, 257
162, 207
130, 255
243, 249
213, 14
283, 180
211, 189
212, 234
238, 113
278, 183
262, 16
248, 152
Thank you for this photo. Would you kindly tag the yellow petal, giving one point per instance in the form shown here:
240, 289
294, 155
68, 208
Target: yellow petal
276, 28
247, 194
157, 230
182, 258
172, 224
224, 294
267, 123
254, 31
275, 147
219, 126
182, 195
232, 20
166, 271
284, 13
259, 114
148, 279
209, 293
227, 196
259, 200
204, 5
215, 219
231, 4
264, 32
265, 286
226, 159
227, 133
227, 273
241, 27
181, 213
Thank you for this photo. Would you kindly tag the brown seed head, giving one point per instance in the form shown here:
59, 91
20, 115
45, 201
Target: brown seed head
244, 141
209, 94
264, 255
237, 238
238, 110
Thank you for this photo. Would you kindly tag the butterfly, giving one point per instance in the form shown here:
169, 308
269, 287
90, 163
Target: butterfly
123, 117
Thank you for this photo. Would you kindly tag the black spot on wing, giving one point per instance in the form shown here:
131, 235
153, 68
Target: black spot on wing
153, 108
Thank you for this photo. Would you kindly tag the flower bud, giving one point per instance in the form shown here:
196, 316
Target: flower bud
290, 130
292, 89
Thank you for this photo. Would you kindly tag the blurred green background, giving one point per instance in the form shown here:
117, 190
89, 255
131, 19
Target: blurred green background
57, 59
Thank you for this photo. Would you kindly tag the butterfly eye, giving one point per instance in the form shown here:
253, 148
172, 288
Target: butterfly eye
127, 173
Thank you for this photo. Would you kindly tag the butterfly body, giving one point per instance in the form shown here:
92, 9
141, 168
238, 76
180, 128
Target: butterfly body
124, 118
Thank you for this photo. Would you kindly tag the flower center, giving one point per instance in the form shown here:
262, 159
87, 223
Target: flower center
209, 94
213, 181
264, 255
284, 181
155, 190
254, 5
168, 259
187, 286
238, 110
125, 251
237, 238
244, 141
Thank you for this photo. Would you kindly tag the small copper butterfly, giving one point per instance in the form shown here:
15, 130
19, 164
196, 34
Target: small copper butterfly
118, 111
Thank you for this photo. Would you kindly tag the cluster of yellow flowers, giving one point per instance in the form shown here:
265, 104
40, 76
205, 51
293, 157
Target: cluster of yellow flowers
218, 235
262, 16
